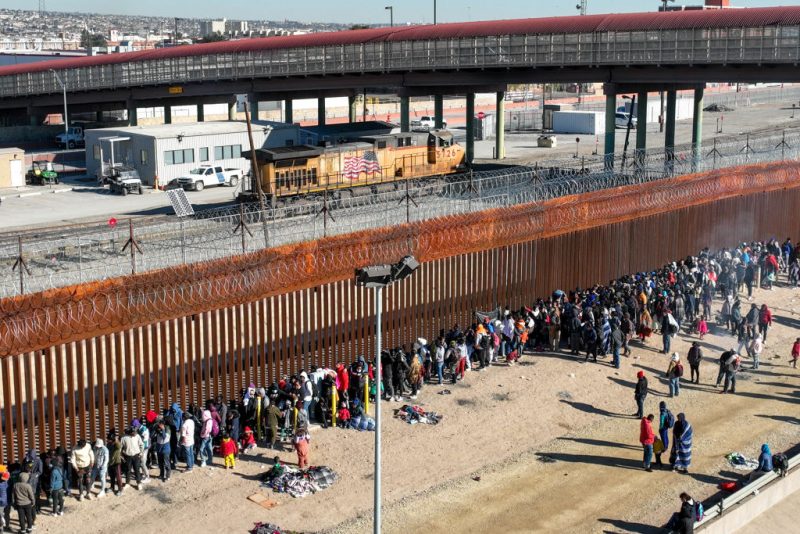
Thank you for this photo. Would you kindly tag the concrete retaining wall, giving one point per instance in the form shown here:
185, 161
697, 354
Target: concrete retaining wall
740, 515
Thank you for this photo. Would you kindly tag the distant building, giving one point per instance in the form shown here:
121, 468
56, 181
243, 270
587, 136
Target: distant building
211, 27
236, 27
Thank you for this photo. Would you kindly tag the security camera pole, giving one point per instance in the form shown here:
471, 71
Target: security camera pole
377, 277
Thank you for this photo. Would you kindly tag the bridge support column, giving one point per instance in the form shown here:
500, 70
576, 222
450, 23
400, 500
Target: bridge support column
321, 111
500, 126
611, 127
352, 109
405, 119
697, 128
168, 114
438, 111
669, 132
133, 115
470, 148
641, 128
201, 113
98, 116
253, 103
232, 111
288, 113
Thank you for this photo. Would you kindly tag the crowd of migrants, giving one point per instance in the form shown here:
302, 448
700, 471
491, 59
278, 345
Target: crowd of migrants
591, 323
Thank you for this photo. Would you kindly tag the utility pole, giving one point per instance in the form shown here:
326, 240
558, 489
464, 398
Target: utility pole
434, 12
582, 6
390, 9
175, 38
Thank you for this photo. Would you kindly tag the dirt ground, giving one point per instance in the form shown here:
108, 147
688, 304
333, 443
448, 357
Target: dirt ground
548, 445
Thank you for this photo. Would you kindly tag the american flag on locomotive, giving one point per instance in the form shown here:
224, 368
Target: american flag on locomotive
367, 163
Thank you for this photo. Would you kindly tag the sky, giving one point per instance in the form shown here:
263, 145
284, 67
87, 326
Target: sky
366, 11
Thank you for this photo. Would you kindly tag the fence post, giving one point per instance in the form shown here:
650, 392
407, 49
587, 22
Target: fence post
22, 266
134, 246
80, 261
183, 243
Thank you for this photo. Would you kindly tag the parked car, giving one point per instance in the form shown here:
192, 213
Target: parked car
426, 123
207, 175
621, 120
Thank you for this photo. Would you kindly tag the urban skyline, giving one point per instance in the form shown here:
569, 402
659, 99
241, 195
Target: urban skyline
352, 11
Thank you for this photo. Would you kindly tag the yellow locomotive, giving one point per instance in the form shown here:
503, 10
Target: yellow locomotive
380, 159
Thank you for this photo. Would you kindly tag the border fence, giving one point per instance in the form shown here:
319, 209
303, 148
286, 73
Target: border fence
77, 361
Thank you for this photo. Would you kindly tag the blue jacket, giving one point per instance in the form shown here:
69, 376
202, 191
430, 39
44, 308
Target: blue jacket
3, 494
56, 478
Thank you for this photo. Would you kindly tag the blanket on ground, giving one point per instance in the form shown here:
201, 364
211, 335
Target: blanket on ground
300, 483
741, 463
415, 414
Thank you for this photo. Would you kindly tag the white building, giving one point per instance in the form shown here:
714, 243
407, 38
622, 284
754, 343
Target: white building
210, 27
172, 150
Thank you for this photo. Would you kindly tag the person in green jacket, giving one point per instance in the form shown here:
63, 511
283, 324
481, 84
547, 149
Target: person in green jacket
115, 463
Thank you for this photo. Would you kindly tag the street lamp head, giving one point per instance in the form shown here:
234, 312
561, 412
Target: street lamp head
403, 268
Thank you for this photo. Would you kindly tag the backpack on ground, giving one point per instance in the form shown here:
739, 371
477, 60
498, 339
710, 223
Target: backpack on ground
669, 419
699, 512
679, 370
780, 464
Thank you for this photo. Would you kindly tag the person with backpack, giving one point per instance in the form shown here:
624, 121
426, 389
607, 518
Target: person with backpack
206, 435
674, 374
694, 357
665, 422
174, 420
57, 489
669, 327
640, 394
732, 364
34, 467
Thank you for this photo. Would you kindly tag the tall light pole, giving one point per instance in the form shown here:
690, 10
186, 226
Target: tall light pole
64, 90
391, 15
434, 12
377, 277
581, 6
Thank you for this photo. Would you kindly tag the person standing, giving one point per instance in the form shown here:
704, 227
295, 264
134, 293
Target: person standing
24, 498
5, 498
115, 463
764, 321
722, 363
100, 467
681, 455
206, 453
301, 446
674, 374
163, 436
665, 421
756, 346
57, 485
187, 440
731, 368
694, 357
617, 343
82, 460
795, 353
640, 393
132, 448
646, 438
440, 352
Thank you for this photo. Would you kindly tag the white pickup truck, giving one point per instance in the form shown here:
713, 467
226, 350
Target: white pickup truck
426, 123
207, 175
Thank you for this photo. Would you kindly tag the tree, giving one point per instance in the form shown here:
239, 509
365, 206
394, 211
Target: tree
359, 27
90, 40
214, 38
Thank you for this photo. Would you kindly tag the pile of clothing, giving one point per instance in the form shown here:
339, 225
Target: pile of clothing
741, 463
415, 414
300, 483
269, 528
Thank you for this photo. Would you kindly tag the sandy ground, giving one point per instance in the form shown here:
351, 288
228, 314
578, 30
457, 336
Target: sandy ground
551, 439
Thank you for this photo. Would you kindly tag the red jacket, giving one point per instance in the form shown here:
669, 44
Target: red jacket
765, 316
646, 436
227, 447
796, 350
344, 377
